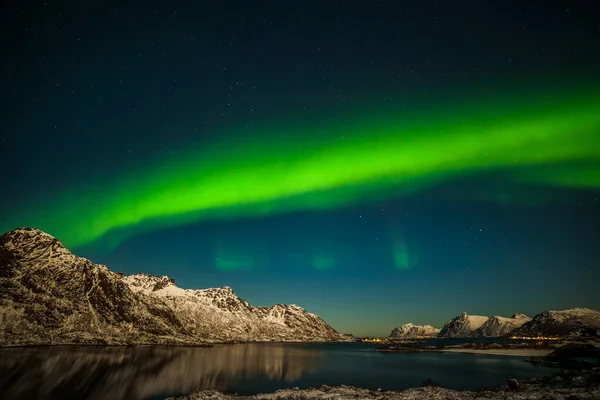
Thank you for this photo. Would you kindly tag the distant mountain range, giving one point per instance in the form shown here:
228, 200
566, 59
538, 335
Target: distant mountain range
580, 322
50, 296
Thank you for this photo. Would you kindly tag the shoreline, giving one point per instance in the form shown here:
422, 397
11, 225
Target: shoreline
475, 348
503, 352
563, 386
207, 344
531, 349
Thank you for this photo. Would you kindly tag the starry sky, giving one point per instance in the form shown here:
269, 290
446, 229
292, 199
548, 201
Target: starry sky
376, 162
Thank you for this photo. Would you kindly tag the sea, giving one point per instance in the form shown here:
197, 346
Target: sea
152, 373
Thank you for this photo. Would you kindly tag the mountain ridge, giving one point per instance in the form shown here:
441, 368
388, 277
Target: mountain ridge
574, 322
50, 296
500, 326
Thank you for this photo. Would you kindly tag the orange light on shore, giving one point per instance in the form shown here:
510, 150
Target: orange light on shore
535, 338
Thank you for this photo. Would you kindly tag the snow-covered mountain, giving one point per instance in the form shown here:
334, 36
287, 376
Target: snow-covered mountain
50, 296
462, 326
201, 310
572, 322
410, 331
500, 326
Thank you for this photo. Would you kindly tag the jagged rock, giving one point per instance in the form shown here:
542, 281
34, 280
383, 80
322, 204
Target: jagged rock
50, 296
513, 385
572, 322
462, 326
410, 331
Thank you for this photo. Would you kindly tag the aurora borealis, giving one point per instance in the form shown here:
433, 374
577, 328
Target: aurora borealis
354, 164
276, 157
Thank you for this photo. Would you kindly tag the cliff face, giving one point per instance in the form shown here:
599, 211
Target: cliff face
50, 296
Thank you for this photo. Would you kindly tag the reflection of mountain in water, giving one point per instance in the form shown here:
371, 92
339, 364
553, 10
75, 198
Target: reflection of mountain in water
139, 373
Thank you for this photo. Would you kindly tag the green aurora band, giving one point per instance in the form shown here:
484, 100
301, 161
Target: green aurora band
547, 141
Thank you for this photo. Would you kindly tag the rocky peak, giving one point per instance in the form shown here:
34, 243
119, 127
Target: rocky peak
226, 291
519, 315
28, 234
463, 325
224, 298
26, 240
148, 282
163, 283
223, 291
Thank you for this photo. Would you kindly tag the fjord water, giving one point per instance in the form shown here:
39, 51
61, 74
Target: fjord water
157, 372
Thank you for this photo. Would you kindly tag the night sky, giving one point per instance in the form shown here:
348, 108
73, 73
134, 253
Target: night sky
376, 162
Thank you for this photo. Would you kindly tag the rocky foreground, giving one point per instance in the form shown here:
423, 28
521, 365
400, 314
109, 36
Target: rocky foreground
566, 386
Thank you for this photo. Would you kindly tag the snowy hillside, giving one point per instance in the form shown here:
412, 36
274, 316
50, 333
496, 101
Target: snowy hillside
50, 296
202, 310
499, 326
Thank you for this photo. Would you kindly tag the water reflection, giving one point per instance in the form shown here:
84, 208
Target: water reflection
142, 373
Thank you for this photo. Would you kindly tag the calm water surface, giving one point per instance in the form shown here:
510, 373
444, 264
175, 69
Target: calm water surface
156, 372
